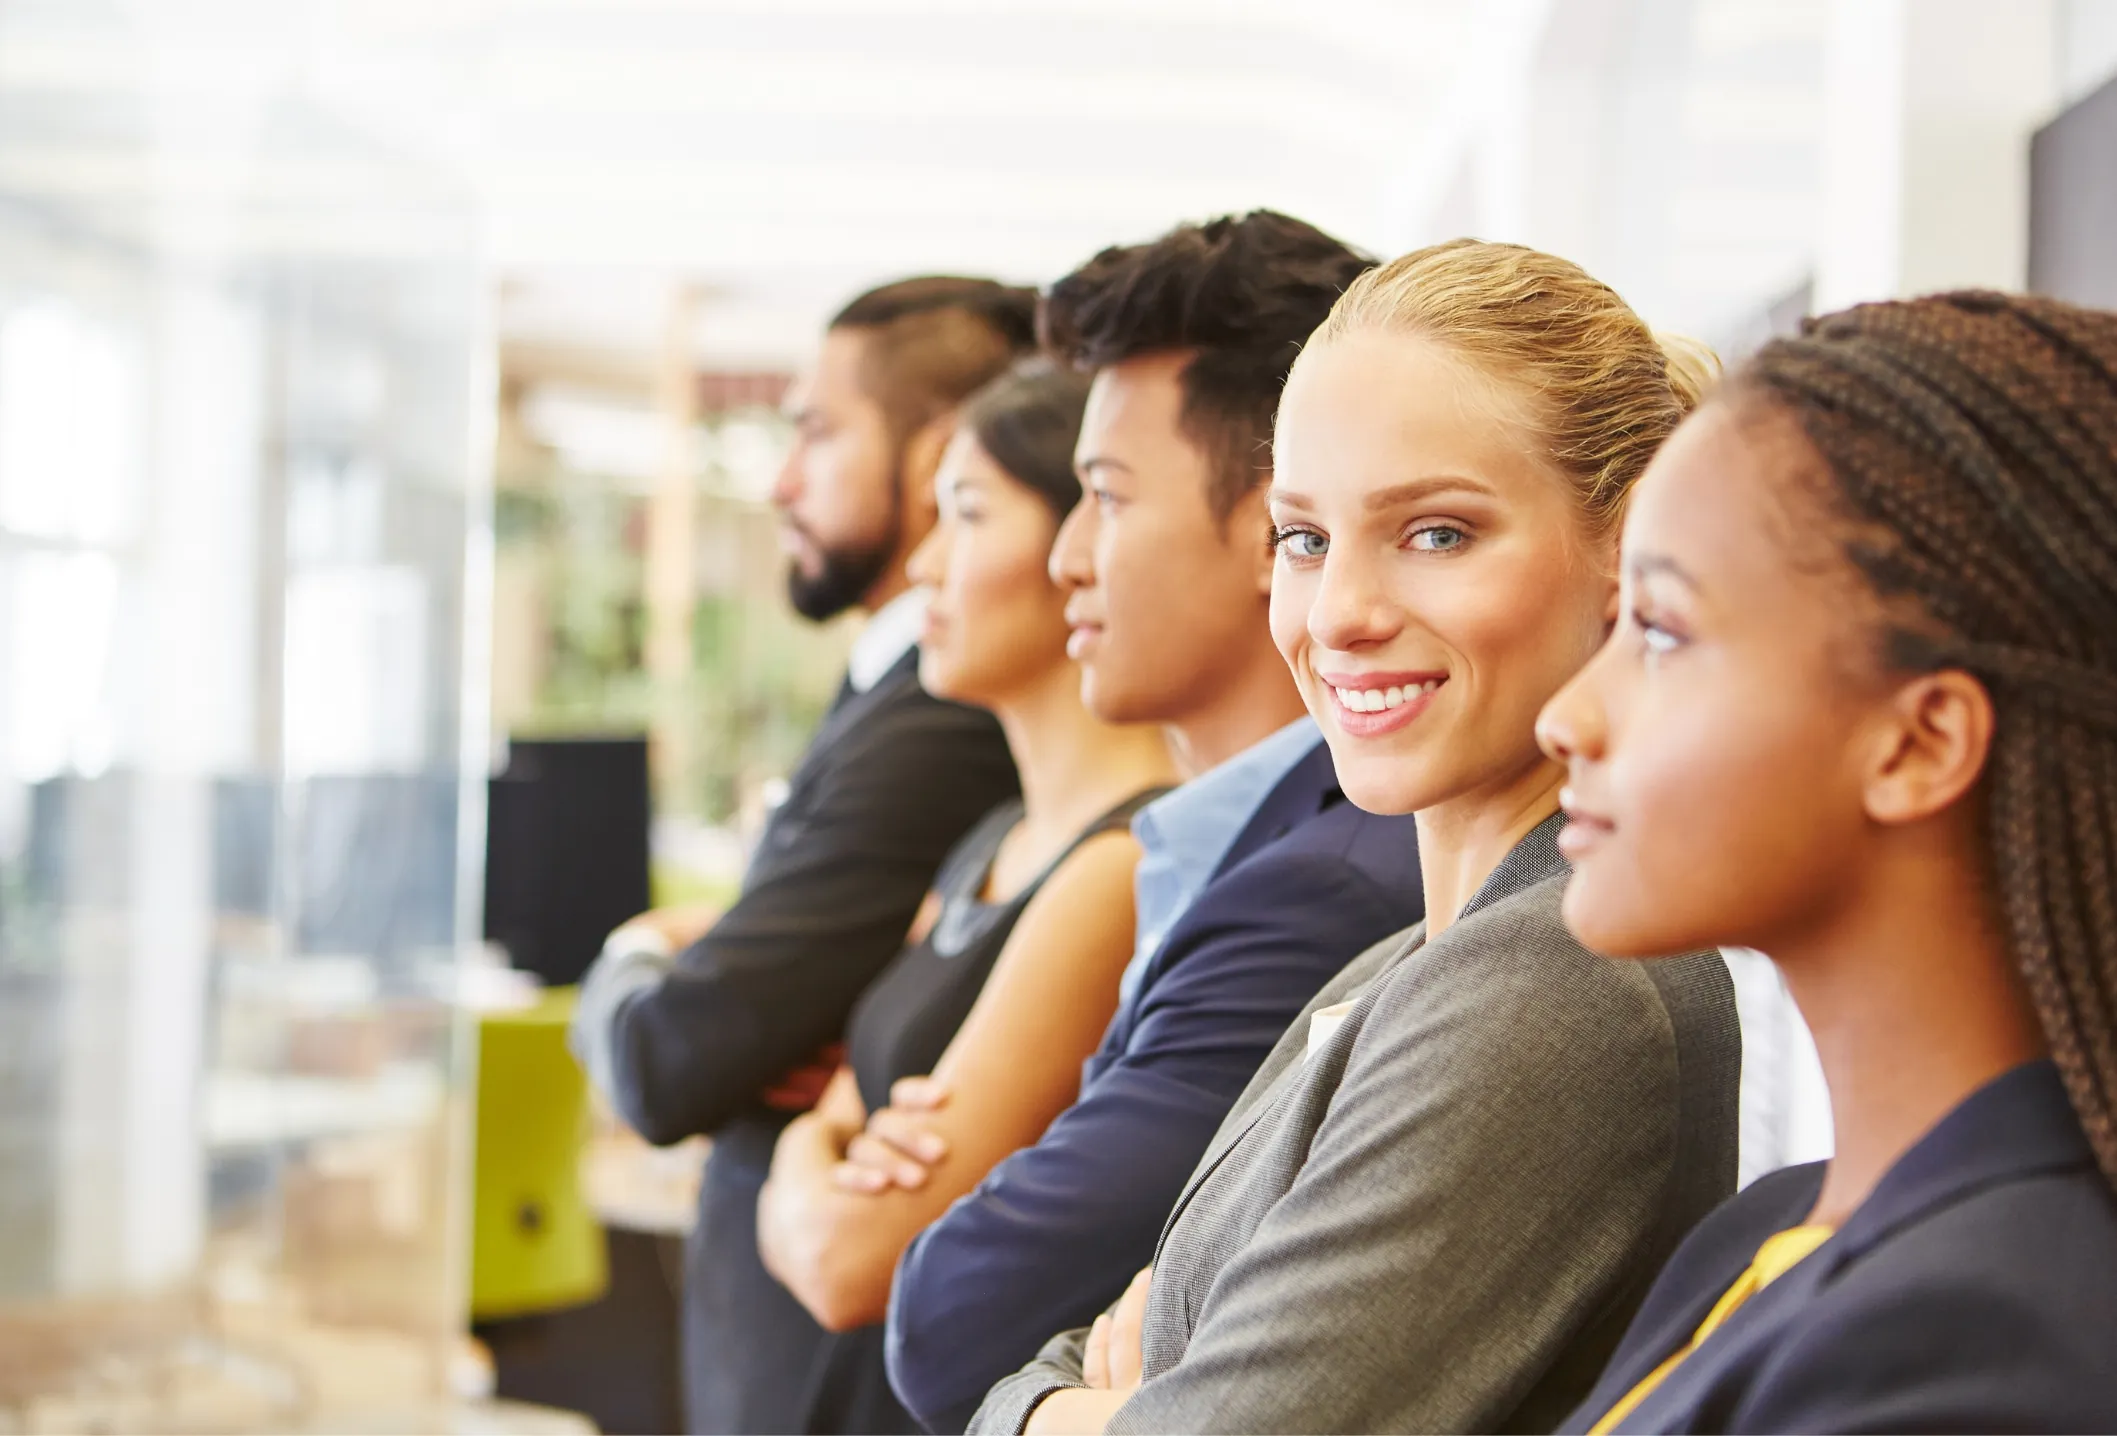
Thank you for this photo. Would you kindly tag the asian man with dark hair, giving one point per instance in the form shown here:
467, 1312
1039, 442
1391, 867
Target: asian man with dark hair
1257, 883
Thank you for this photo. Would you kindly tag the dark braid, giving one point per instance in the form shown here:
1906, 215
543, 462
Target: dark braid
1971, 440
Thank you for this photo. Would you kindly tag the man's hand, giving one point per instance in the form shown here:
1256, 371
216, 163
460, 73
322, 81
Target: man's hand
802, 1088
899, 1147
1112, 1361
680, 925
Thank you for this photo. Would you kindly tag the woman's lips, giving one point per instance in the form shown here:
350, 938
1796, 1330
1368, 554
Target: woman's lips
1370, 705
1082, 639
1583, 829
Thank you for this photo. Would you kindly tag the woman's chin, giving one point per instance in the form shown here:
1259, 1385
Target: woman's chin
1604, 924
940, 677
1379, 787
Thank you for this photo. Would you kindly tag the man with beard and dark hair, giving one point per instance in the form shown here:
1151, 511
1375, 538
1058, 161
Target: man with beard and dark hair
727, 1030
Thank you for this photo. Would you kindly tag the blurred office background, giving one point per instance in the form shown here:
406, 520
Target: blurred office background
388, 405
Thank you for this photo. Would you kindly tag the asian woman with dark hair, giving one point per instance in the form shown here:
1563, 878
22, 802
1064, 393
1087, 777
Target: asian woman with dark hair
1011, 972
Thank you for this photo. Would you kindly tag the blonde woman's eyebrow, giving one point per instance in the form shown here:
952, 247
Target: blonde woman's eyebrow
1410, 491
1416, 490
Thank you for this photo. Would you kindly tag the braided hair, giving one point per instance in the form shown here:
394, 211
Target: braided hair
1971, 440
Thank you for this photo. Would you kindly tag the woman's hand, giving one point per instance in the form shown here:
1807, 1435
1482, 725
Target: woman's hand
1112, 1360
808, 1147
1110, 1365
899, 1147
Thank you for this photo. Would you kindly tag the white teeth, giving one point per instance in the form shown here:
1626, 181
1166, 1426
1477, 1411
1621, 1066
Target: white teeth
1374, 700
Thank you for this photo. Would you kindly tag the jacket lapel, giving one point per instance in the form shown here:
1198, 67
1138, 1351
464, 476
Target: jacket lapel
2018, 1125
1533, 858
1308, 787
1673, 1331
1283, 1067
1528, 862
851, 705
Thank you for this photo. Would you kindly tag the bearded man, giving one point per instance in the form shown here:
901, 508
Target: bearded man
727, 1029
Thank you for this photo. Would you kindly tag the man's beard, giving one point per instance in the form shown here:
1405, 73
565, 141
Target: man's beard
847, 573
842, 580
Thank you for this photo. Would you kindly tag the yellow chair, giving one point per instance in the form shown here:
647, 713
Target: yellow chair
535, 1245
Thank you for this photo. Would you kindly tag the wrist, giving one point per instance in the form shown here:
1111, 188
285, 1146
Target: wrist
638, 939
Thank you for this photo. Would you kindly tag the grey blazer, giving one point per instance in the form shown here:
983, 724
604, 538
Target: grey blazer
1443, 1218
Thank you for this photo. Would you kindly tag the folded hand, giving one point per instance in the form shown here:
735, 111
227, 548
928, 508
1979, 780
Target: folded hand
899, 1146
1112, 1361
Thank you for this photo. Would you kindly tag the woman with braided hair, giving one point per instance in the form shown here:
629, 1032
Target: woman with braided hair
1860, 711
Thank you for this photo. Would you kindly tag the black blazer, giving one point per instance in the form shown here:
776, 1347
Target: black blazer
893, 778
891, 781
1974, 1290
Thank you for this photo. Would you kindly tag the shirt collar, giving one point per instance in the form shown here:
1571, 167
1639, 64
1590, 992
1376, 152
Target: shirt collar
2017, 1125
1192, 828
887, 637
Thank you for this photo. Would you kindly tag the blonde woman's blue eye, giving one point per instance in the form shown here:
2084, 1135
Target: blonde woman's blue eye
1440, 539
1301, 543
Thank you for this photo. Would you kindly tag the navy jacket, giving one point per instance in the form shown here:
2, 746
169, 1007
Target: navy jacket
1055, 1232
1974, 1290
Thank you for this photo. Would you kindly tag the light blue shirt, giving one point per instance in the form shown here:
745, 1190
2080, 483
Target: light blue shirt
1184, 835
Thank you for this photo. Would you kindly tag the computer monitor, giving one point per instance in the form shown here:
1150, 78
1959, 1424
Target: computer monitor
565, 850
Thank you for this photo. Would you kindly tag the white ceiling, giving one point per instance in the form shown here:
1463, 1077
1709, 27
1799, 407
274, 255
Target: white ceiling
787, 155
776, 156
779, 153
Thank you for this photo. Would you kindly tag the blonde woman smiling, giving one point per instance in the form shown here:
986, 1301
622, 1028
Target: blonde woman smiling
1442, 1197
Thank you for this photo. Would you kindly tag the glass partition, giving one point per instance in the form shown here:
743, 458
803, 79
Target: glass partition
241, 769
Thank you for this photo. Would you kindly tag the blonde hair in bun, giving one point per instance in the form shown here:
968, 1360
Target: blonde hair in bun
1604, 389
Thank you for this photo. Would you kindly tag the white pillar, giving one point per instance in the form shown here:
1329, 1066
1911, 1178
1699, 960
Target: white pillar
671, 577
1929, 109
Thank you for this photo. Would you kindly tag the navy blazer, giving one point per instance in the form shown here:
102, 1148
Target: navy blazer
1974, 1290
1056, 1231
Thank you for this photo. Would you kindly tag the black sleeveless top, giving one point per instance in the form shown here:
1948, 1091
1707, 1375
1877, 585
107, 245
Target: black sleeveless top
905, 1020
899, 1028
